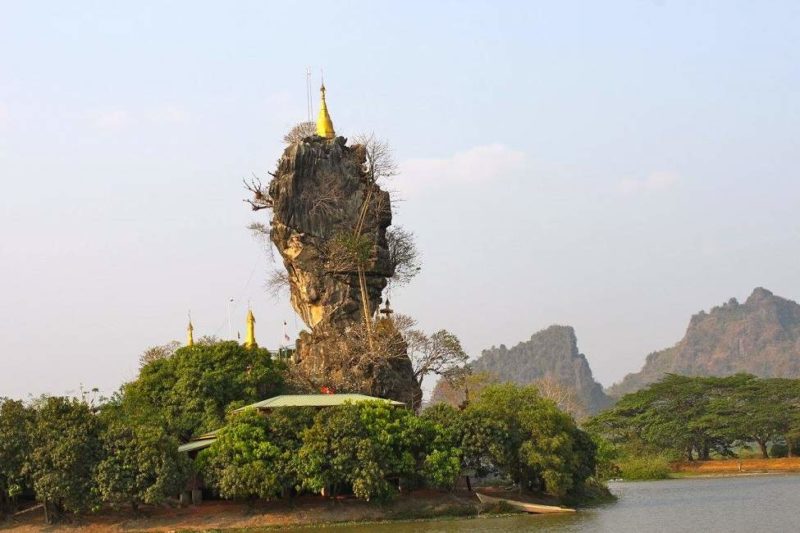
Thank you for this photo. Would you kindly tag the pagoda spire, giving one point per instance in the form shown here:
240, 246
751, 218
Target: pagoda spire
250, 339
324, 122
190, 334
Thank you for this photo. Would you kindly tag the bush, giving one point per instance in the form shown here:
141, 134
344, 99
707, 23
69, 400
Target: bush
362, 446
645, 467
254, 456
779, 450
542, 448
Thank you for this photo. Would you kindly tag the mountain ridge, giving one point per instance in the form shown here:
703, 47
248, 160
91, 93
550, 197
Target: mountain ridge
551, 353
760, 336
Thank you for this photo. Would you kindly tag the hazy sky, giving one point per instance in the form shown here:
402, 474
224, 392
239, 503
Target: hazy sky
614, 166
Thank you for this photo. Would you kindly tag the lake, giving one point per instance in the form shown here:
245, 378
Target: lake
731, 504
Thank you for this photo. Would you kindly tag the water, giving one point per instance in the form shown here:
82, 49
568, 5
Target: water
733, 504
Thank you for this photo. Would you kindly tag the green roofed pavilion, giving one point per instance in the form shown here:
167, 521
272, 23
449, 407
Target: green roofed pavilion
288, 400
315, 400
195, 445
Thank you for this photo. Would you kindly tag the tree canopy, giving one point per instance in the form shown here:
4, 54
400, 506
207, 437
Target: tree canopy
190, 391
697, 416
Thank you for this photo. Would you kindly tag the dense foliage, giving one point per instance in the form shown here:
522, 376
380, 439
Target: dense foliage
256, 456
75, 457
141, 464
16, 422
374, 449
64, 452
190, 391
696, 417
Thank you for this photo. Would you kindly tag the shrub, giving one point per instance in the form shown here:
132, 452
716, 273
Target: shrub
645, 467
779, 450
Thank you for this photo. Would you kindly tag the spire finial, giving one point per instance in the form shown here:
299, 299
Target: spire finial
250, 339
324, 122
190, 332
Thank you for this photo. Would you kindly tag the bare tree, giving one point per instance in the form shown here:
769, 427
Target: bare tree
300, 131
154, 353
260, 233
461, 385
326, 198
208, 340
562, 395
278, 282
379, 162
440, 353
357, 359
403, 255
261, 198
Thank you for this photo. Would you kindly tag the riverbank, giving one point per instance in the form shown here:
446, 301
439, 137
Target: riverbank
305, 510
730, 467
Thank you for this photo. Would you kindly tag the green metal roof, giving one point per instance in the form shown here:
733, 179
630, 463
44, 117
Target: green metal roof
209, 435
287, 400
314, 400
195, 445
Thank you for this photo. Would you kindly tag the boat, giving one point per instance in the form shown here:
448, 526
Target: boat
536, 508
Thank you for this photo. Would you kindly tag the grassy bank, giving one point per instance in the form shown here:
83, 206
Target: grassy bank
641, 468
736, 466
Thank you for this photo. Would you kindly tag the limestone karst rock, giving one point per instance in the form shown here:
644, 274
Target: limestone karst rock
760, 336
319, 192
550, 357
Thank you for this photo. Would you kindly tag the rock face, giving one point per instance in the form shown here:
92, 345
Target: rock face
760, 336
326, 210
317, 194
549, 354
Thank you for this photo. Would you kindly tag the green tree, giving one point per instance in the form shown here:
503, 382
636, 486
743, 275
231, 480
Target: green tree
543, 449
762, 410
16, 421
256, 455
286, 427
362, 446
688, 415
65, 452
469, 435
140, 465
190, 391
242, 462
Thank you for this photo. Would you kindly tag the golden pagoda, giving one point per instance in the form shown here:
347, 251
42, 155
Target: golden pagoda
250, 339
324, 122
190, 334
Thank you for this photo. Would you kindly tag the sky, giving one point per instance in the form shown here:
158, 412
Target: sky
614, 166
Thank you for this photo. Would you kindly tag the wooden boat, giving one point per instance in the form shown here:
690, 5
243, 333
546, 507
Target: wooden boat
537, 508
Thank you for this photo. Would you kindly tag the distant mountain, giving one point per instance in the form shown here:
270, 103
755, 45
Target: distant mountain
551, 355
760, 336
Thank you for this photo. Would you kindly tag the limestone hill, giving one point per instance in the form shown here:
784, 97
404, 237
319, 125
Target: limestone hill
551, 354
760, 336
